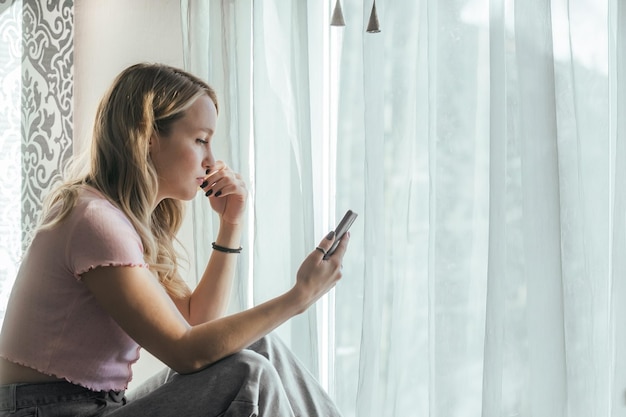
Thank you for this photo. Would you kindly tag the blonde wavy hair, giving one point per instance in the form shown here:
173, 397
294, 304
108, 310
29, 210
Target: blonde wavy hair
145, 99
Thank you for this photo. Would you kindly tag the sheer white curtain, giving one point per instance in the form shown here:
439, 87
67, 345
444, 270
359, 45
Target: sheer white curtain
617, 171
482, 144
257, 58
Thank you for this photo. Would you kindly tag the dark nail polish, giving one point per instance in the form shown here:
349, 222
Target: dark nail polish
208, 193
204, 184
217, 194
330, 235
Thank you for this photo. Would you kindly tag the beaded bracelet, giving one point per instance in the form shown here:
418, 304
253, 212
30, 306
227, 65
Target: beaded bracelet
225, 249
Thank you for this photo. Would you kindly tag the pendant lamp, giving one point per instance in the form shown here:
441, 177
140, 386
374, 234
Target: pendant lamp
337, 18
373, 26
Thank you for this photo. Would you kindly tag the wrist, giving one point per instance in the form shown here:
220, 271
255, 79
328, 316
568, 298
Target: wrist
230, 227
231, 223
229, 235
298, 299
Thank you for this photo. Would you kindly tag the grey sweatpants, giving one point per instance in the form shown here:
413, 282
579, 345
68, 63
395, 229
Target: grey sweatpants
264, 380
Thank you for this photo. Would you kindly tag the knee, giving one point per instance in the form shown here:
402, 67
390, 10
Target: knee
252, 365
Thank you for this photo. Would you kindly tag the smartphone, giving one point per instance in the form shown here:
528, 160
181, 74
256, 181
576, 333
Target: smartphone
341, 229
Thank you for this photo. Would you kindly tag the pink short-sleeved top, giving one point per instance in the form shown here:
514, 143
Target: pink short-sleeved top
53, 323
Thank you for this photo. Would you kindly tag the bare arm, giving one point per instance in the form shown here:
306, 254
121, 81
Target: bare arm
138, 303
210, 298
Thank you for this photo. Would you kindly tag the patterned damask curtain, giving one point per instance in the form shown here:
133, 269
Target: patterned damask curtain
47, 97
10, 145
36, 96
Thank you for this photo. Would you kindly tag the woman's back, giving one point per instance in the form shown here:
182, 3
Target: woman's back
53, 323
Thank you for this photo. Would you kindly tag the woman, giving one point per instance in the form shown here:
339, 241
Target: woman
100, 280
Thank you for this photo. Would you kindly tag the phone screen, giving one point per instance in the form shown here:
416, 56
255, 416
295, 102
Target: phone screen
341, 229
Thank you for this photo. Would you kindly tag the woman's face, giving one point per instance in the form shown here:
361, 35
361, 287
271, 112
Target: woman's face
182, 157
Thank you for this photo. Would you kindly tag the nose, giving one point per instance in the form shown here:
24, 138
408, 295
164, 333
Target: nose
208, 161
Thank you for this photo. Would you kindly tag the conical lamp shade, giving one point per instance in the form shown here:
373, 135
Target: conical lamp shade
337, 18
373, 26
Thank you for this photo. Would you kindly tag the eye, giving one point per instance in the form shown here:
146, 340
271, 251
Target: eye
202, 141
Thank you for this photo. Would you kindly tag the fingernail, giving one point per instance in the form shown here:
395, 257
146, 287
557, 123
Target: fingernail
217, 194
330, 235
204, 184
208, 193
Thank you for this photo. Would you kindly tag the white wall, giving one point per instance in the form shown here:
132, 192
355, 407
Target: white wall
109, 36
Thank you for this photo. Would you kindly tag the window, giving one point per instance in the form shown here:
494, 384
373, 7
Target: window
474, 139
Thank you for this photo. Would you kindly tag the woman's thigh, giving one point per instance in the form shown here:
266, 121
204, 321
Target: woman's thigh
244, 384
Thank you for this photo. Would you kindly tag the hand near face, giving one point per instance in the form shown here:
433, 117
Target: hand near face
227, 193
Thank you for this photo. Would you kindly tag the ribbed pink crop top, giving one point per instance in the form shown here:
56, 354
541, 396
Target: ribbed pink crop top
53, 323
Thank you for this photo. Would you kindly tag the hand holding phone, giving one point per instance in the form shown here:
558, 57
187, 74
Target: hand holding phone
341, 230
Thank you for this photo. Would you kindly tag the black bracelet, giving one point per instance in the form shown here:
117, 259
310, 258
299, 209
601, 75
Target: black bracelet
225, 249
